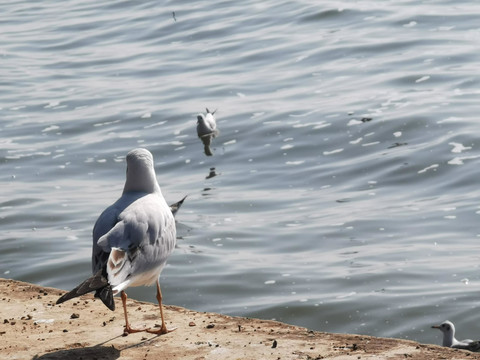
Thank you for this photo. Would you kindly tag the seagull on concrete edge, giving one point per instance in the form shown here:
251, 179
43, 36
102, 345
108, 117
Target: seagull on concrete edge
448, 330
132, 240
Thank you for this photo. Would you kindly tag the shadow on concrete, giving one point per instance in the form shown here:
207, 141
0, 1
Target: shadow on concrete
86, 353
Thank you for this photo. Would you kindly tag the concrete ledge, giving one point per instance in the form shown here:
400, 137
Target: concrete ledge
33, 327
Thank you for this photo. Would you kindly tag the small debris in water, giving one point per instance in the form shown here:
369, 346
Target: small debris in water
397, 144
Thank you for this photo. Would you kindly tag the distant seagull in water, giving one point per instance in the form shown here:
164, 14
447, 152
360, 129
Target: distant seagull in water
132, 239
448, 330
207, 129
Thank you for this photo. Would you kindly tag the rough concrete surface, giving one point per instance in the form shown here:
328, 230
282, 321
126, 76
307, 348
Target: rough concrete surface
33, 327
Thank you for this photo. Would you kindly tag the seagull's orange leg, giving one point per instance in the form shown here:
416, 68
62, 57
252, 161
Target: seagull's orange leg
127, 330
163, 329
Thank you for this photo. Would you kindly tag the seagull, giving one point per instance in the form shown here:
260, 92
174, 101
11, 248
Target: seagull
132, 240
207, 129
448, 330
206, 124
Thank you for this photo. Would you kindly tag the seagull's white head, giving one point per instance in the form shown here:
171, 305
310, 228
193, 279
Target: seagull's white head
448, 330
140, 172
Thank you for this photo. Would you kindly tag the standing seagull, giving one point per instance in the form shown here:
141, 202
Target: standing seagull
207, 129
448, 330
132, 239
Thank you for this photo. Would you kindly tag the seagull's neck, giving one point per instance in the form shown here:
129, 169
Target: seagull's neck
449, 340
146, 183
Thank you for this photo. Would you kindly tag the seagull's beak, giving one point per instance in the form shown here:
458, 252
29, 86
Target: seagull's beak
435, 326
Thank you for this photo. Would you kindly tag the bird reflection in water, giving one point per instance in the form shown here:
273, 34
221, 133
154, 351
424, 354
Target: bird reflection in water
207, 130
212, 173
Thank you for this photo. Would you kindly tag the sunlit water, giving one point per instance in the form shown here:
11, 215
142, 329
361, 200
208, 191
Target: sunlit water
343, 191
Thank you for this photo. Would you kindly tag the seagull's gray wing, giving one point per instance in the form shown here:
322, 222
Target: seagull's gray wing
105, 222
139, 242
474, 346
467, 344
98, 282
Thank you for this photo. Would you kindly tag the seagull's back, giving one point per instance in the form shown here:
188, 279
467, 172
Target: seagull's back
133, 237
463, 344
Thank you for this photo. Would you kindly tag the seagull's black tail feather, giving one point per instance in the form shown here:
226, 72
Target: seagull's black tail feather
97, 283
106, 295
174, 207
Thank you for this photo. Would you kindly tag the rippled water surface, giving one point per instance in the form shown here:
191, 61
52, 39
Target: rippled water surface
343, 191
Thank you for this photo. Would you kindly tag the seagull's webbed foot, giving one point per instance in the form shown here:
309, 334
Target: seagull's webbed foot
127, 329
163, 330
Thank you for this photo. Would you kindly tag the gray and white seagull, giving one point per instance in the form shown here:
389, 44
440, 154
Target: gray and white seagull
449, 340
132, 240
